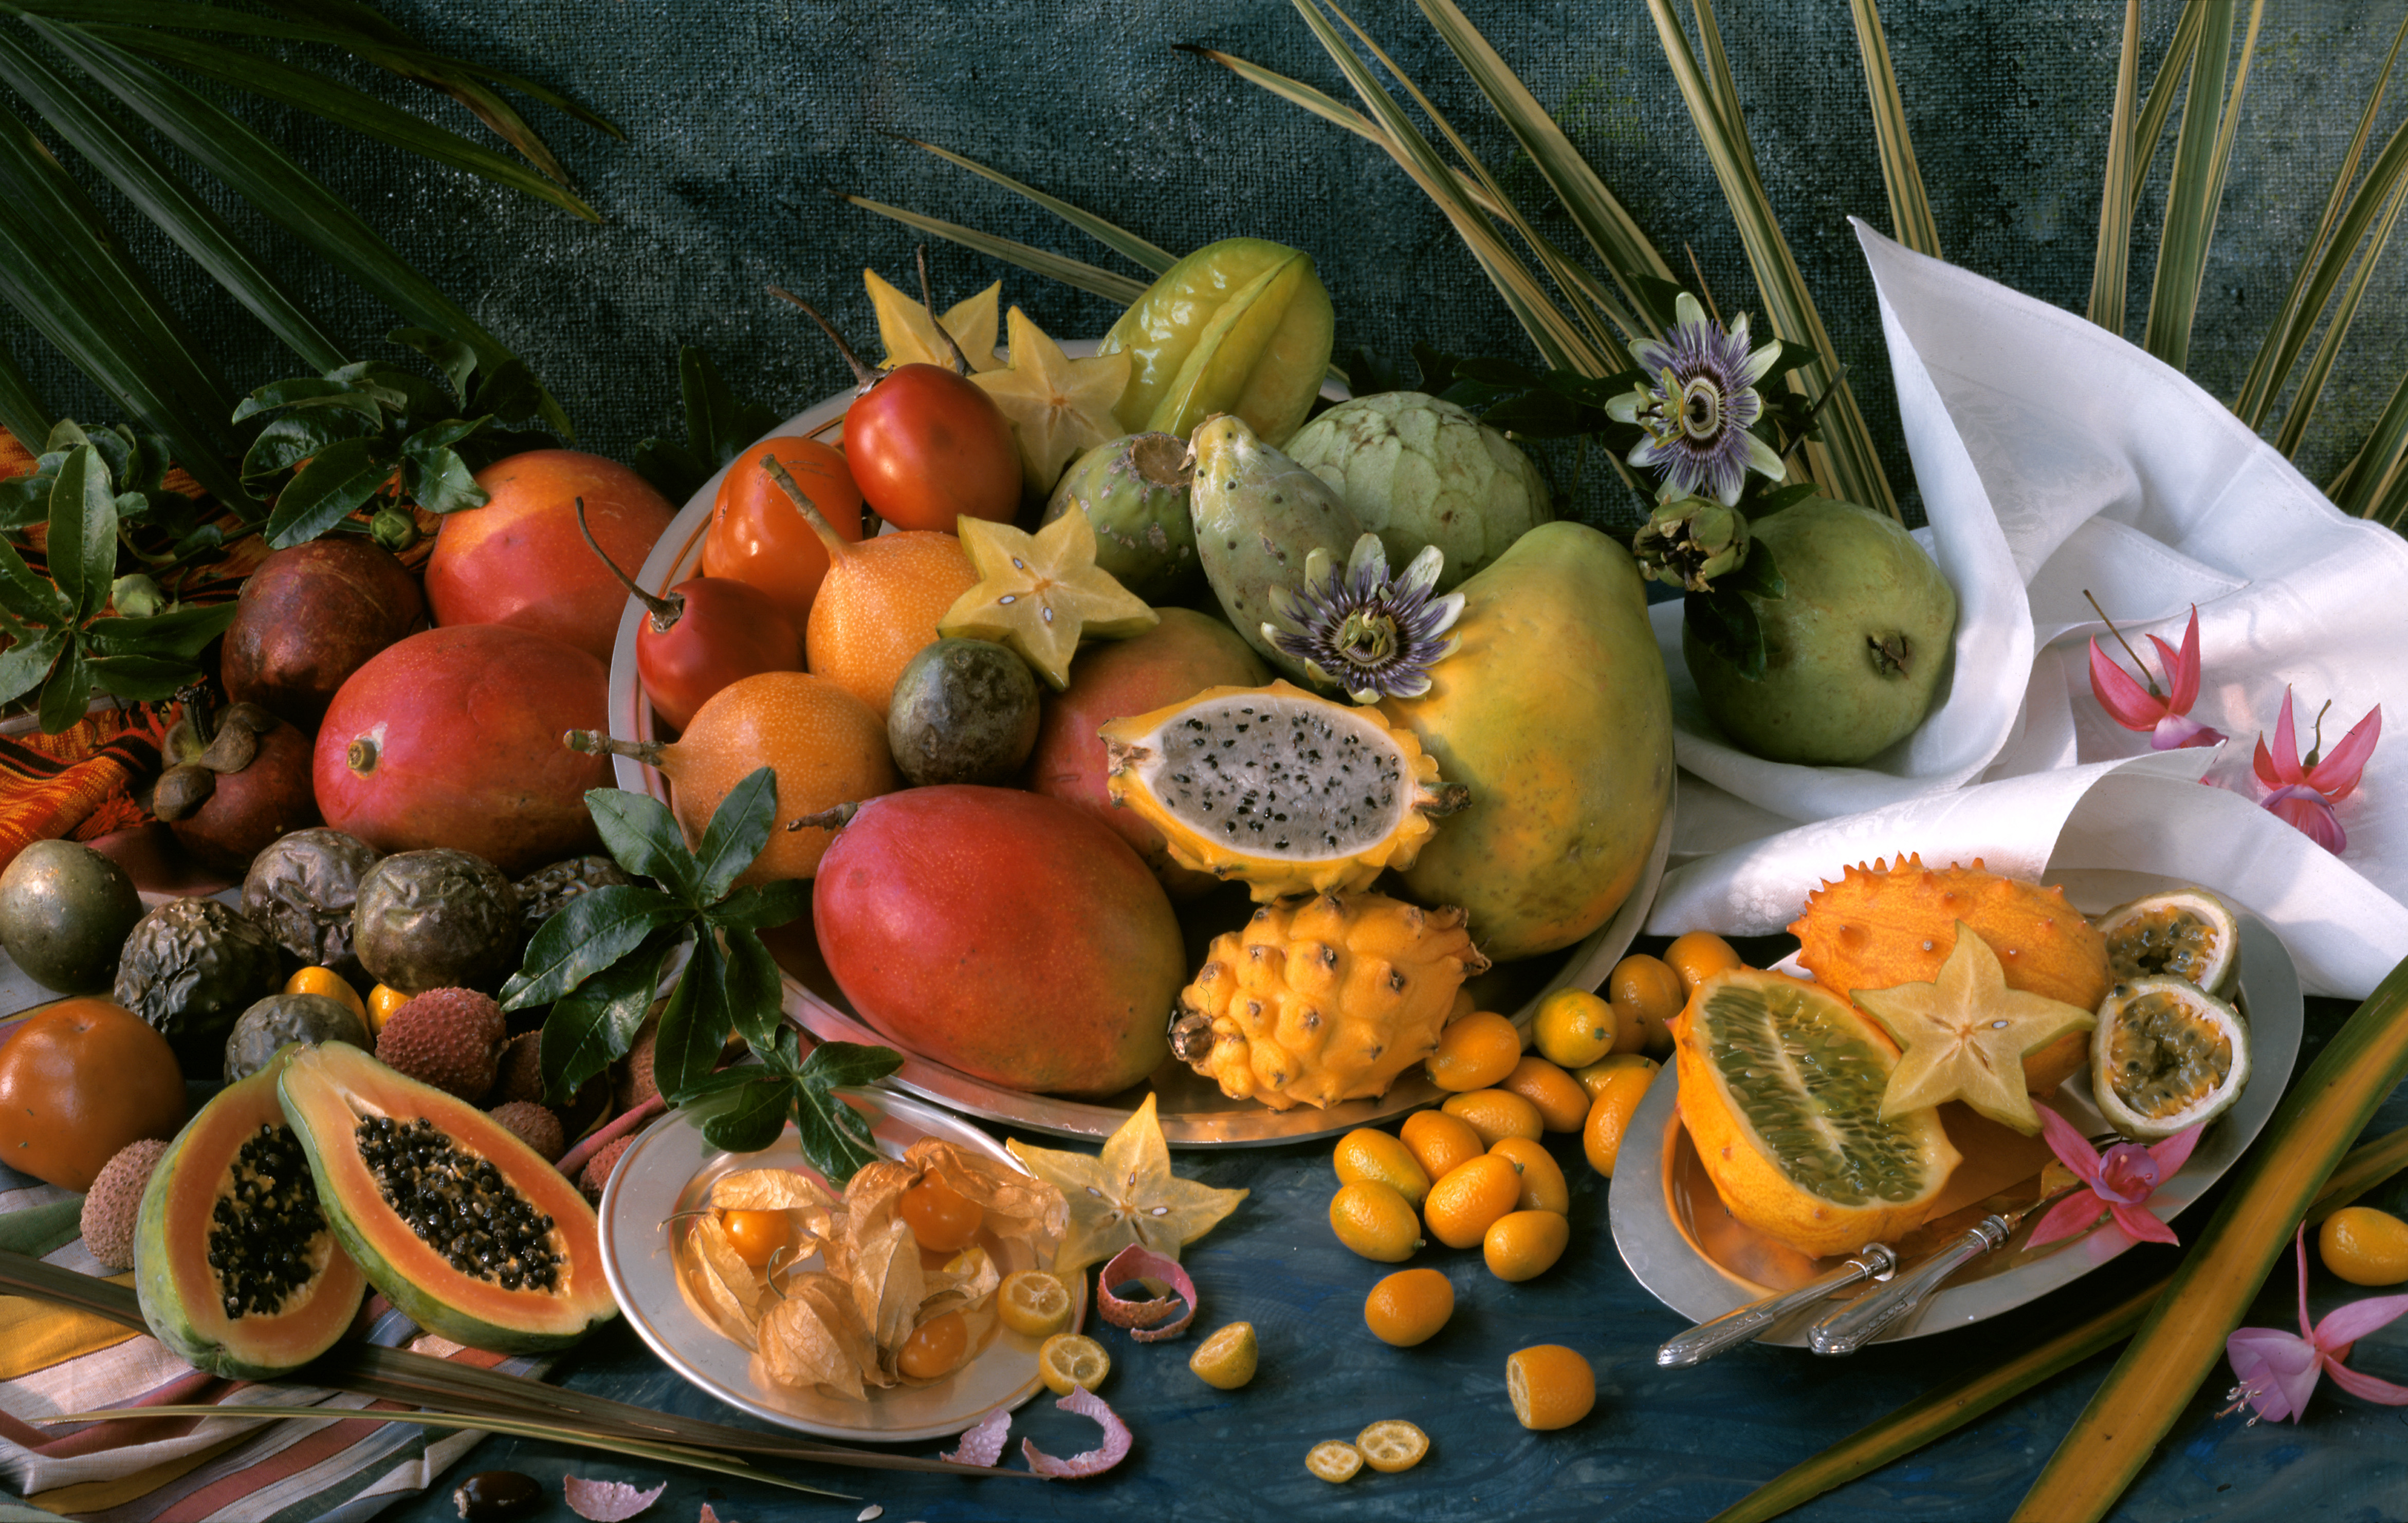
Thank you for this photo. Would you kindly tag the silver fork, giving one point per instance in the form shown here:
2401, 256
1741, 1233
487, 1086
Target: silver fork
1874, 1261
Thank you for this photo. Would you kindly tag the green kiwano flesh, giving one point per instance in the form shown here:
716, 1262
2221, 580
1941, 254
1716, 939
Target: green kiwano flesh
1241, 326
1853, 653
1418, 472
1133, 491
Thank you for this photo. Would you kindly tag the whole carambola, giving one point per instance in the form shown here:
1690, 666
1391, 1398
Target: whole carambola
1242, 325
1258, 514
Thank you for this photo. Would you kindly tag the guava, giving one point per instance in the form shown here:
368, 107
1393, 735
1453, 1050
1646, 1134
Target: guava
1853, 653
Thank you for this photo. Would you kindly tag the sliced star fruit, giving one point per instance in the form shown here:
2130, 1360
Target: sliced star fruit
1040, 593
1965, 1036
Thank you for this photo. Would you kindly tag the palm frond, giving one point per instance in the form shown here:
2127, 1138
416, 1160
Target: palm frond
1053, 266
2377, 480
1130, 247
1909, 209
2164, 86
2190, 198
2110, 265
2320, 365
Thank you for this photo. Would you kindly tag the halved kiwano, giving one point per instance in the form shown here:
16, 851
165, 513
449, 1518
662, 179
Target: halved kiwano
1334, 1460
1781, 1089
1392, 1445
2166, 1055
2186, 932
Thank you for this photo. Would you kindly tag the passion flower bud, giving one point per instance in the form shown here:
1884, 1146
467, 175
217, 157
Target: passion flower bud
394, 528
1690, 541
137, 597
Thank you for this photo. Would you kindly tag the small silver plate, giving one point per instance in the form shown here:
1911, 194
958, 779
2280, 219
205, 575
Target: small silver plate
670, 1168
1683, 1244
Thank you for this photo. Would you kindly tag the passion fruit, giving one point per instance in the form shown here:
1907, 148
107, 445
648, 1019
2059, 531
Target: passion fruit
964, 710
436, 919
2166, 1055
303, 888
2186, 932
189, 967
281, 1018
65, 911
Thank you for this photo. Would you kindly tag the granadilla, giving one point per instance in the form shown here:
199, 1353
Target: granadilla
1358, 630
1698, 410
1691, 541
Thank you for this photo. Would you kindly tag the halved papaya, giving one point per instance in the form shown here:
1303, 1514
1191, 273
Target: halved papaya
1781, 1090
233, 1264
463, 1227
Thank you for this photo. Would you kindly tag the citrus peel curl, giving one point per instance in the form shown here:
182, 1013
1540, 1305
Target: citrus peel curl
1142, 1318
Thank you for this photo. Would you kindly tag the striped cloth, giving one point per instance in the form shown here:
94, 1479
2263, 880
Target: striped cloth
185, 1470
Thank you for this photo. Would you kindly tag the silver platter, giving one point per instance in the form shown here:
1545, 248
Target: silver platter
1682, 1245
670, 1168
1192, 1111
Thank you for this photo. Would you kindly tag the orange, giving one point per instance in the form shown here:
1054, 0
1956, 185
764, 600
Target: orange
1409, 1307
1227, 1359
332, 985
1334, 1460
1524, 1245
1467, 1202
1551, 1387
1697, 957
1494, 1114
936, 1346
1070, 1358
382, 1001
1575, 1028
1598, 1075
879, 603
1439, 1141
2364, 1246
1364, 1154
758, 1234
1562, 1103
1646, 992
826, 745
1475, 1052
1392, 1445
1375, 1221
1608, 1115
1542, 1178
1033, 1303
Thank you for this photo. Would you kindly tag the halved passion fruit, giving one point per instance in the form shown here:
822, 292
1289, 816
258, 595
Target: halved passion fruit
2186, 932
1781, 1089
2166, 1055
464, 1228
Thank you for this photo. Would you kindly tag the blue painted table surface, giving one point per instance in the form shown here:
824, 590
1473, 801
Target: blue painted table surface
1661, 1445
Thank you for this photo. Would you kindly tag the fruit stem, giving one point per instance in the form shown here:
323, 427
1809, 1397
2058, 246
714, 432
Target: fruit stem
920, 257
826, 819
196, 712
594, 743
2154, 691
864, 376
666, 611
838, 547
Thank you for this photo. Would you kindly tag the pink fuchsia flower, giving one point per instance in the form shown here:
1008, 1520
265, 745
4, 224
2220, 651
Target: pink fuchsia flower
2166, 714
2277, 1371
2305, 790
2120, 1182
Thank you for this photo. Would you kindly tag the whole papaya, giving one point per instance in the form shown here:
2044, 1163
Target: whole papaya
1241, 326
1557, 712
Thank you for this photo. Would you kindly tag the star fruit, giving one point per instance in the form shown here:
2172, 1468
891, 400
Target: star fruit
1127, 1196
1059, 406
910, 336
1039, 593
1965, 1036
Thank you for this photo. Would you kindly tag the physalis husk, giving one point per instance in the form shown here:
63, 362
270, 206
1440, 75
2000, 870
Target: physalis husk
1059, 406
1129, 1195
911, 339
1041, 592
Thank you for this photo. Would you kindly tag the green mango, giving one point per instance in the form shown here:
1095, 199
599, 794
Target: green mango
1242, 325
1557, 716
1258, 515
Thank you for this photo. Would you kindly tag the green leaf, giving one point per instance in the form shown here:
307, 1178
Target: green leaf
2320, 365
588, 934
287, 441
183, 632
24, 664
310, 392
739, 829
717, 427
143, 678
456, 360
758, 1116
66, 694
333, 486
588, 1031
756, 992
82, 544
1755, 574
2381, 466
1053, 266
1727, 625
2110, 265
639, 831
2191, 204
1910, 210
509, 391
21, 410
764, 905
836, 1138
1771, 500
27, 596
693, 1023
442, 482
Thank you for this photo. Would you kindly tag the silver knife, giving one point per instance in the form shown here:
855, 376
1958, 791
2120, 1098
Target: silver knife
1874, 1261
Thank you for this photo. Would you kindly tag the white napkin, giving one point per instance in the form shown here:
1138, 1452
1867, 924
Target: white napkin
2055, 457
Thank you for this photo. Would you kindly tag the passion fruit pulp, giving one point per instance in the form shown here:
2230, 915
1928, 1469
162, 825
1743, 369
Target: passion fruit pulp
2188, 933
2165, 1055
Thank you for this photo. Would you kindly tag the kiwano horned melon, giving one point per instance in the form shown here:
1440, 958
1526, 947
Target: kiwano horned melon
1781, 1089
1324, 999
233, 1264
1285, 792
464, 1228
1878, 927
